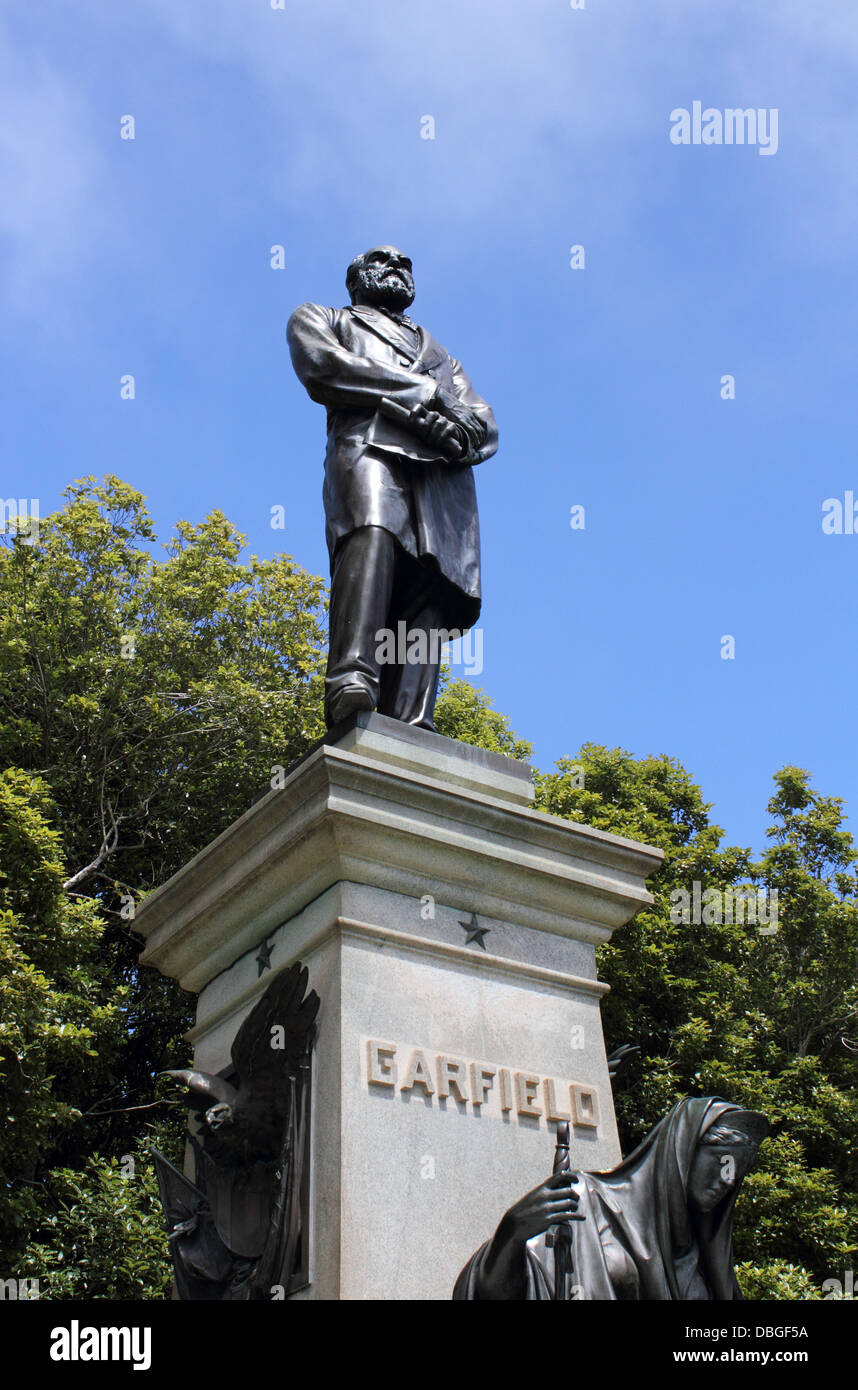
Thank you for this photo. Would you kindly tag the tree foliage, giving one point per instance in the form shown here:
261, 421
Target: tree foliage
102, 1235
466, 713
143, 704
60, 1007
758, 1015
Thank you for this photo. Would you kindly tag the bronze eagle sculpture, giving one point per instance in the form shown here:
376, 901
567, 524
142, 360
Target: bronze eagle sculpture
237, 1232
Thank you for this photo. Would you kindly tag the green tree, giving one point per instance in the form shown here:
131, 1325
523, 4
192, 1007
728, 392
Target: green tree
60, 1009
153, 697
102, 1234
144, 703
721, 1007
465, 712
811, 864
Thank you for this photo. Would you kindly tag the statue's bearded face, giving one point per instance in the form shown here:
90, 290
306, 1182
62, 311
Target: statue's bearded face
381, 277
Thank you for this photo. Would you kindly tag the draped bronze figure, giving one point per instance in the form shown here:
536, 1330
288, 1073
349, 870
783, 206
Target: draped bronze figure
657, 1227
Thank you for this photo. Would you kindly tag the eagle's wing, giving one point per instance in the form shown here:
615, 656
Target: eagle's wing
277, 1035
618, 1061
180, 1198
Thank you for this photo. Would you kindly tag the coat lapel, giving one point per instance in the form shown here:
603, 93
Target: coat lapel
376, 324
431, 354
431, 358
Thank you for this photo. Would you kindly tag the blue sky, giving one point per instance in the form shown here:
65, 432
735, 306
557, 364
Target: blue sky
301, 127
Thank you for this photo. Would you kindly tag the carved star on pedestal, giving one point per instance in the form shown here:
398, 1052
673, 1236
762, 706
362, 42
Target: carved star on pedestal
263, 959
473, 932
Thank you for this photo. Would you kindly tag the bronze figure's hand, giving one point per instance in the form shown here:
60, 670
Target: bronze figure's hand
442, 433
503, 1269
461, 415
551, 1204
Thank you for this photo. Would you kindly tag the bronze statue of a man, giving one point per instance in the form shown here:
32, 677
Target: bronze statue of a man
405, 428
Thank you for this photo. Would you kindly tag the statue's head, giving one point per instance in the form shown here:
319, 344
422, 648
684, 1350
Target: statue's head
382, 278
725, 1152
218, 1115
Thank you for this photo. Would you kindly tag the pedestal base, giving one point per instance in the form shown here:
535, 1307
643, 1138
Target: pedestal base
450, 932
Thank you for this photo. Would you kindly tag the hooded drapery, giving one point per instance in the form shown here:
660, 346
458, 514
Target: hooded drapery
638, 1239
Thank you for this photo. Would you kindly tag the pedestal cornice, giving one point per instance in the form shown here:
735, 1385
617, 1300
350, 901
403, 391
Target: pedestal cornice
342, 816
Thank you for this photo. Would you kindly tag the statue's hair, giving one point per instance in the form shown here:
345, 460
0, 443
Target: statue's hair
723, 1134
747, 1130
354, 270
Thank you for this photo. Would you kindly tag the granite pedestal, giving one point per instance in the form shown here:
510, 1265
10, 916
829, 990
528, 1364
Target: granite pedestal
450, 932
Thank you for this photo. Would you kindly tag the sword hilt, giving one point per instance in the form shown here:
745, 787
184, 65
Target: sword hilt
559, 1238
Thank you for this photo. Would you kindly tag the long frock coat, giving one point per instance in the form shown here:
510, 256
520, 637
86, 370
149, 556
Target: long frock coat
378, 473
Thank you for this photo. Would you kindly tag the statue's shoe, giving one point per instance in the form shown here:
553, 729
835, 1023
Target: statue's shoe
346, 702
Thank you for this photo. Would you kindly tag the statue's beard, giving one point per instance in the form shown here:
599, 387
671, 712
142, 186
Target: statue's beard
378, 286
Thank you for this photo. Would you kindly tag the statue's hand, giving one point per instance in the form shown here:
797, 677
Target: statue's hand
440, 432
551, 1204
461, 415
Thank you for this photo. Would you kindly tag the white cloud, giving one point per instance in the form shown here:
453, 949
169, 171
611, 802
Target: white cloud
531, 100
52, 183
